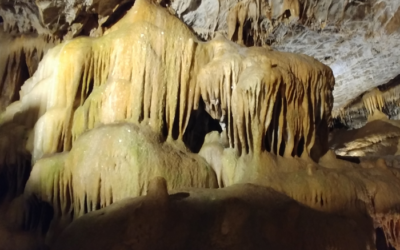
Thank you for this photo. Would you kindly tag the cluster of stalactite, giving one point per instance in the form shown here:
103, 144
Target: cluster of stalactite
19, 61
270, 100
149, 69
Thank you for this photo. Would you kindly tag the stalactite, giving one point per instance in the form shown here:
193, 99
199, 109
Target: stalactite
110, 163
373, 100
150, 70
147, 72
291, 85
18, 62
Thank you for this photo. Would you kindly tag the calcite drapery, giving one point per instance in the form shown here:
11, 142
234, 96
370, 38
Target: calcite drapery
150, 69
133, 80
110, 163
20, 56
157, 74
271, 100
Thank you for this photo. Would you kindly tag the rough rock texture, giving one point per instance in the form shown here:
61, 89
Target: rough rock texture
56, 17
383, 99
359, 40
379, 137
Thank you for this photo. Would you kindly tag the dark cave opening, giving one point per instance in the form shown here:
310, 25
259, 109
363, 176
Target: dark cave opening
10, 84
200, 124
380, 240
300, 148
39, 214
9, 188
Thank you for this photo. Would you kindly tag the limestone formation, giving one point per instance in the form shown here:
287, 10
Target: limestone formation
19, 59
342, 34
379, 137
121, 135
162, 76
110, 163
359, 40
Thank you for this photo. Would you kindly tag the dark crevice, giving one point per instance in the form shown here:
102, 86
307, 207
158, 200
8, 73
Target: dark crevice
287, 14
89, 22
118, 14
282, 147
175, 125
337, 123
178, 196
349, 158
194, 5
271, 140
390, 84
38, 214
380, 240
248, 38
83, 94
16, 74
283, 126
85, 205
23, 75
300, 147
199, 125
9, 188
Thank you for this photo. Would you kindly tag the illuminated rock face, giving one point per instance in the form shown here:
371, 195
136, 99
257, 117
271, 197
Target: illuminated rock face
150, 69
111, 163
376, 138
359, 40
102, 117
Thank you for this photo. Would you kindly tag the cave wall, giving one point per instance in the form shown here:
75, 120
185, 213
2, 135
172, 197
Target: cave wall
106, 112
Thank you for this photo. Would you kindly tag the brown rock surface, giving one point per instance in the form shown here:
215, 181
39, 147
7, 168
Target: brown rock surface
237, 217
376, 138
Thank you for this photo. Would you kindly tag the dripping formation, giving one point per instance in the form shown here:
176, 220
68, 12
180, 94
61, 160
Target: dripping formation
96, 110
357, 112
150, 70
277, 79
139, 82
